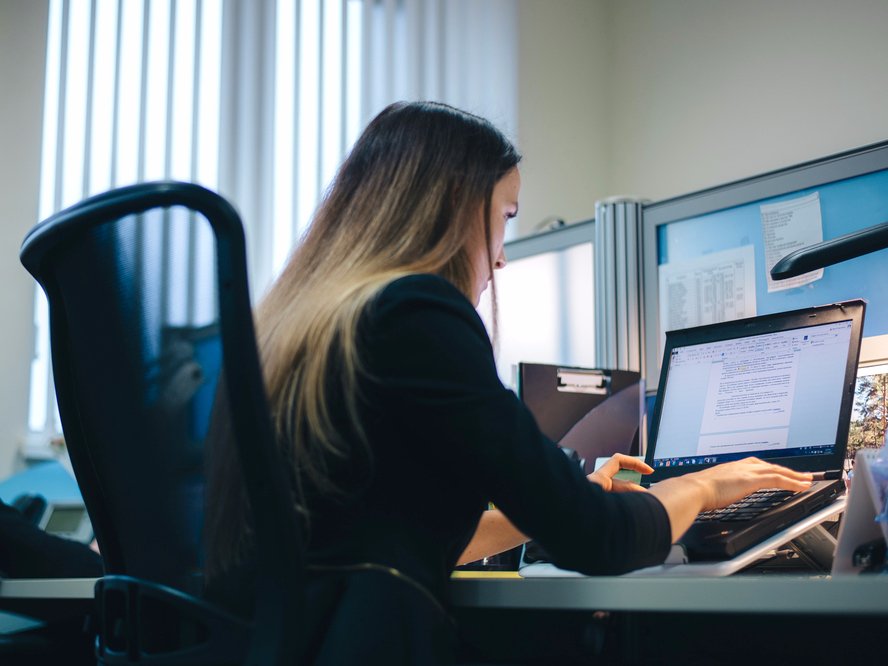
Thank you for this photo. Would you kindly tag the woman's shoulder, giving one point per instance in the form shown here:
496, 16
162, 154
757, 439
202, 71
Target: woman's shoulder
421, 285
421, 288
425, 299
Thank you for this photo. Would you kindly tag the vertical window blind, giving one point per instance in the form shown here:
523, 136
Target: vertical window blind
132, 94
257, 99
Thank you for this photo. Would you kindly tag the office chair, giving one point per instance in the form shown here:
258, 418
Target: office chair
150, 319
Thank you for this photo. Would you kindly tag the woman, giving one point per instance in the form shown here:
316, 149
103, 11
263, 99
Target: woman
385, 396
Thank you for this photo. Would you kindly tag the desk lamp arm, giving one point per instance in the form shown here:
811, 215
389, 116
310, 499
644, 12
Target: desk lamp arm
832, 251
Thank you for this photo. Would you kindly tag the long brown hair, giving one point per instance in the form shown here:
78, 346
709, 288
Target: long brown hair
405, 201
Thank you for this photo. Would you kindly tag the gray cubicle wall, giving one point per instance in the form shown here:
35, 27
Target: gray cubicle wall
546, 300
852, 188
554, 240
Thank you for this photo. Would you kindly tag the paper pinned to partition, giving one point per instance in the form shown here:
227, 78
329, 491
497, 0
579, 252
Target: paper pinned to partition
788, 226
715, 287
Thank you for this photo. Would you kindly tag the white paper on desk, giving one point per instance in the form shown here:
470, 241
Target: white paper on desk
719, 286
788, 226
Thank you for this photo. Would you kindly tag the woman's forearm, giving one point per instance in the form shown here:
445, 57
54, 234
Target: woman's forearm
495, 534
684, 497
683, 500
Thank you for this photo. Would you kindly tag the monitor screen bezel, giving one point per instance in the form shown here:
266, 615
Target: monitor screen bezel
549, 242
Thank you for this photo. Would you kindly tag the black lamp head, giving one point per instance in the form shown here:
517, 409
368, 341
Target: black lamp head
831, 252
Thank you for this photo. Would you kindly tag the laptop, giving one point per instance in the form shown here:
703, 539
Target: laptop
779, 387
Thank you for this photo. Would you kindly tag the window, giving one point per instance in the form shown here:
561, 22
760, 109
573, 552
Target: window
134, 92
258, 99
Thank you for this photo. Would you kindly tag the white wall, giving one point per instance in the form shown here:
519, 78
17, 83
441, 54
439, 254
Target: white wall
659, 98
22, 62
563, 110
712, 91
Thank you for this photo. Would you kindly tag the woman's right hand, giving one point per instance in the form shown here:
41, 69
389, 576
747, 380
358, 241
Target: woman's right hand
729, 482
684, 497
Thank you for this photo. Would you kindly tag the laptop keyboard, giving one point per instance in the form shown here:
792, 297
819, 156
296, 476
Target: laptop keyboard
749, 507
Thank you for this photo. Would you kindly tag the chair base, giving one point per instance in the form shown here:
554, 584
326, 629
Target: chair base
142, 622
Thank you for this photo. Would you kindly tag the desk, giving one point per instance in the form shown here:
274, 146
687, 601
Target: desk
47, 598
46, 588
44, 621
673, 613
760, 619
772, 594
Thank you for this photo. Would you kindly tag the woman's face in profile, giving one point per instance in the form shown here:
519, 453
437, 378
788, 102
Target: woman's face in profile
503, 207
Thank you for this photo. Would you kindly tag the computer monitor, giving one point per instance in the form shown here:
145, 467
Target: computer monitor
546, 301
707, 254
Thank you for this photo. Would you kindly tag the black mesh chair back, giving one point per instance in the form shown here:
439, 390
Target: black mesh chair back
149, 310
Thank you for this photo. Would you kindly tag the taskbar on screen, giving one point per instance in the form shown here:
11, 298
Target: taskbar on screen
714, 459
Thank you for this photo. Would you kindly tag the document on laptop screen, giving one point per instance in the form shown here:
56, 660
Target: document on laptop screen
775, 394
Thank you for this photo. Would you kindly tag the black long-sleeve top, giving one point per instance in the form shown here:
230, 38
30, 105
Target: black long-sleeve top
446, 438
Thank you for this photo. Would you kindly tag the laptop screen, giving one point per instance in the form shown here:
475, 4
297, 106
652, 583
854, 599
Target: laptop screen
763, 386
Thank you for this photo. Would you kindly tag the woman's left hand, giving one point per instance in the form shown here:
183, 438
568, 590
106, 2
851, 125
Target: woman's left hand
604, 475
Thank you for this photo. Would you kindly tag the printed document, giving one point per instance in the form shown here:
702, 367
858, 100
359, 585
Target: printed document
715, 287
788, 226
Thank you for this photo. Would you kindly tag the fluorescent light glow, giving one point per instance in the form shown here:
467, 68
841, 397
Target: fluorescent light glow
39, 365
183, 91
309, 108
157, 90
331, 90
102, 114
284, 139
129, 93
207, 171
38, 399
49, 156
76, 78
207, 167
353, 45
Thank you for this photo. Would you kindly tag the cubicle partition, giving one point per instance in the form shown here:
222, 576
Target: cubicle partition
546, 300
568, 295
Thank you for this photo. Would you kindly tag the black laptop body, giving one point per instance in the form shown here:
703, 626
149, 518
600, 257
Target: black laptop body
779, 387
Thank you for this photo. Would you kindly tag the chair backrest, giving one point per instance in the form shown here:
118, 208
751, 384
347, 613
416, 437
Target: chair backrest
149, 306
